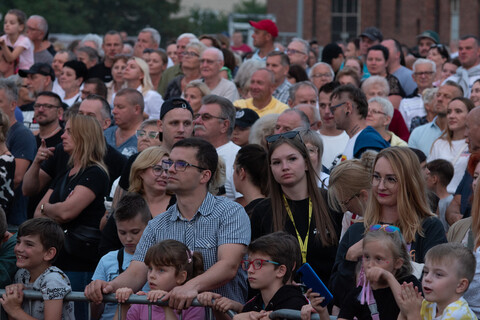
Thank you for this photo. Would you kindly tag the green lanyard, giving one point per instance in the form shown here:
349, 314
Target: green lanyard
303, 244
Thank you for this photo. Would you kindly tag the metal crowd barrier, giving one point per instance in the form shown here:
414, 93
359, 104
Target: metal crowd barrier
136, 299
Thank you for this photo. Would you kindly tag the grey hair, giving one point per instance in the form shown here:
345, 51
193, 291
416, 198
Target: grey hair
42, 23
263, 127
384, 103
270, 73
71, 55
92, 53
313, 137
319, 64
303, 42
305, 125
424, 61
191, 36
227, 109
292, 91
10, 88
147, 123
316, 112
196, 45
372, 80
154, 34
218, 52
245, 72
428, 95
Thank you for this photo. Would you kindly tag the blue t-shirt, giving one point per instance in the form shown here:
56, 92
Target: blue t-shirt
22, 145
127, 148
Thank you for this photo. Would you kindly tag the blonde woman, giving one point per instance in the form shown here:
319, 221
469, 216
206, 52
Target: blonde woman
194, 92
137, 76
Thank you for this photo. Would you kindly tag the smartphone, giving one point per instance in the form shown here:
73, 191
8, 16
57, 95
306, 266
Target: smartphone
311, 280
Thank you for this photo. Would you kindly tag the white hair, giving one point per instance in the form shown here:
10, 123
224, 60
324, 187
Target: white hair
424, 61
385, 104
320, 64
154, 34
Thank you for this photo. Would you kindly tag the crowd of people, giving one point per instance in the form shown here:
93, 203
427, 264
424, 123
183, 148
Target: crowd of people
210, 170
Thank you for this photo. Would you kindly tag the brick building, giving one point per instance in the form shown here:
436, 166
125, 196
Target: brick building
331, 20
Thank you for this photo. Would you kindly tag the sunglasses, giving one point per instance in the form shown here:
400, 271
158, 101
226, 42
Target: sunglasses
385, 227
284, 135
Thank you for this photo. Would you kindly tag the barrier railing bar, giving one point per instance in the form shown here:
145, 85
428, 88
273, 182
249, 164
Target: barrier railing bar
293, 315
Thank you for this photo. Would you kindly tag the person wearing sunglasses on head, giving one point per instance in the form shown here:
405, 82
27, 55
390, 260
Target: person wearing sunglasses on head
349, 108
296, 205
397, 198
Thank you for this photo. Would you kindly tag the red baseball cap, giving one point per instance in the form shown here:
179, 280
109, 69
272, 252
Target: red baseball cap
267, 25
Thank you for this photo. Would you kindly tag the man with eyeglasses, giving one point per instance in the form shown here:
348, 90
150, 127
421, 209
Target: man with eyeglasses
215, 226
297, 51
128, 107
261, 89
211, 63
412, 106
349, 108
469, 71
214, 123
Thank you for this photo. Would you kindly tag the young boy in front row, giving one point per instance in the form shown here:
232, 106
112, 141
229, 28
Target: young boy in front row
272, 262
39, 241
131, 218
449, 269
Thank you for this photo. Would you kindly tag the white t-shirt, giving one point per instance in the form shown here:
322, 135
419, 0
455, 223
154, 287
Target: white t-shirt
226, 89
228, 152
458, 153
332, 147
348, 152
153, 103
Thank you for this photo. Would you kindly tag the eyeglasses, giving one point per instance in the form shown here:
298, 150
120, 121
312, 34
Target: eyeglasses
158, 170
149, 134
179, 165
388, 181
385, 227
321, 75
293, 51
423, 74
285, 135
375, 112
345, 202
206, 117
45, 106
191, 54
257, 264
332, 108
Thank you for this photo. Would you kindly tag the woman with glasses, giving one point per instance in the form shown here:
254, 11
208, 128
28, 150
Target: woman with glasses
397, 198
380, 114
452, 145
157, 61
296, 204
438, 54
76, 199
137, 76
190, 68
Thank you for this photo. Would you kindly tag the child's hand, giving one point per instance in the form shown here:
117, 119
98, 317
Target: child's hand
12, 298
410, 301
375, 274
316, 301
223, 304
155, 295
355, 251
306, 312
206, 298
123, 294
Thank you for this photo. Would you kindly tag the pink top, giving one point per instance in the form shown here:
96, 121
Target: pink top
26, 57
140, 311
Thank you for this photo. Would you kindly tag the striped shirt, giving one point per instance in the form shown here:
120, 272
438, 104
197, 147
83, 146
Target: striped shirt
218, 221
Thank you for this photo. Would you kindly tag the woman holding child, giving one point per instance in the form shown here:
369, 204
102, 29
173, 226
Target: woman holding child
296, 205
76, 198
398, 198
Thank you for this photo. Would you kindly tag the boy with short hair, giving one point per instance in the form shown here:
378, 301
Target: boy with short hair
272, 262
39, 241
439, 173
131, 218
449, 269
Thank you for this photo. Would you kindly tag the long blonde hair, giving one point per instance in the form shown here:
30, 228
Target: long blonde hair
147, 84
89, 143
412, 205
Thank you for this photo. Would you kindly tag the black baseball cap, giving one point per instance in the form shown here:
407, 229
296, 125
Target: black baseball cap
372, 33
245, 118
38, 68
174, 103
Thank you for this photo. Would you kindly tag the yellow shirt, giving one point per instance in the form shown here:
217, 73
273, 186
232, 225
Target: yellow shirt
274, 106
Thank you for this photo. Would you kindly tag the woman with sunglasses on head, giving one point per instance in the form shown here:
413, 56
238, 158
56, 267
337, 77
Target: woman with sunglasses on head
397, 198
438, 54
190, 68
296, 205
137, 76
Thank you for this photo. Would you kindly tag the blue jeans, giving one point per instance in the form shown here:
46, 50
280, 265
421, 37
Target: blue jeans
79, 281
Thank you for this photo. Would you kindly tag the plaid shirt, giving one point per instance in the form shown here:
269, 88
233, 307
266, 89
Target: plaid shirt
218, 221
281, 93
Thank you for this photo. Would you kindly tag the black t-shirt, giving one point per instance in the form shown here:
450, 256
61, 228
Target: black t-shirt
100, 71
287, 297
124, 182
320, 257
386, 305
